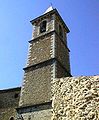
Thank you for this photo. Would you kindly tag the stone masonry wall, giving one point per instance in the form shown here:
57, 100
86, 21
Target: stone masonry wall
49, 26
39, 51
36, 86
37, 115
60, 72
40, 112
38, 79
9, 100
7, 113
76, 98
62, 54
57, 23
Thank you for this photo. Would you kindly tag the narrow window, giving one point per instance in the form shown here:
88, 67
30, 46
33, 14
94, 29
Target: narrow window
16, 95
43, 26
60, 31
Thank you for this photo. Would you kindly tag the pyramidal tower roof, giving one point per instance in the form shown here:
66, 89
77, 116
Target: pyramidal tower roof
49, 9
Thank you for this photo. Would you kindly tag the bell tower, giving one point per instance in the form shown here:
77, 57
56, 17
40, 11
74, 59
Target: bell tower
48, 58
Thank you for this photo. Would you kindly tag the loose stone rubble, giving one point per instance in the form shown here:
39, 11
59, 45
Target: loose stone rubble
75, 98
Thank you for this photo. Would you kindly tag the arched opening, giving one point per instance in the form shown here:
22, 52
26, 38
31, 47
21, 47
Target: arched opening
43, 26
12, 118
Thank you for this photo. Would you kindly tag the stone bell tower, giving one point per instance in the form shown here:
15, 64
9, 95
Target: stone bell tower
48, 58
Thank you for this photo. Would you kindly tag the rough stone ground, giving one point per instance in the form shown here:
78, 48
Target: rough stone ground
76, 98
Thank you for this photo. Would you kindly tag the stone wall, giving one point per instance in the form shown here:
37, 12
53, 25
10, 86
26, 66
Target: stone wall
38, 112
9, 100
7, 113
60, 71
57, 23
38, 72
49, 26
39, 50
62, 53
36, 86
76, 98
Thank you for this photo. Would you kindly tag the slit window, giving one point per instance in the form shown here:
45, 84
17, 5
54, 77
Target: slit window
43, 26
60, 31
16, 95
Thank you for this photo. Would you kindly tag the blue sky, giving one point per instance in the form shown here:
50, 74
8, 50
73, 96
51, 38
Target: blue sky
82, 18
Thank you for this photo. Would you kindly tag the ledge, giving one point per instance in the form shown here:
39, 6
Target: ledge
10, 90
41, 36
41, 64
48, 33
36, 106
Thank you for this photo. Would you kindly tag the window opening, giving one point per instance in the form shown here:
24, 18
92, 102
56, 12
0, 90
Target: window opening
60, 31
12, 118
43, 26
16, 95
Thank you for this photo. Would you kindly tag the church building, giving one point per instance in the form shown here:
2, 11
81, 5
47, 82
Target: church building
48, 91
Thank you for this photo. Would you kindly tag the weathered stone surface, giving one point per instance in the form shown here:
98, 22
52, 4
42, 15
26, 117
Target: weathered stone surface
38, 112
39, 50
49, 27
38, 115
60, 71
9, 100
76, 98
36, 87
62, 53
